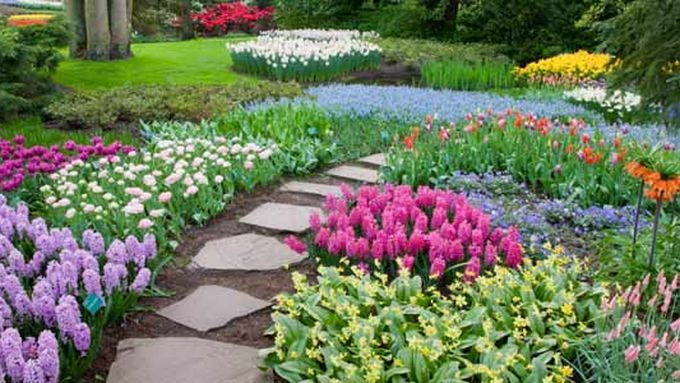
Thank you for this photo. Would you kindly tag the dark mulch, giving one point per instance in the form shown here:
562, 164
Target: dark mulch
387, 74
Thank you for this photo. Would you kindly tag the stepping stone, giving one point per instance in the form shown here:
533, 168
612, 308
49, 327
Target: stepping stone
311, 188
282, 217
246, 252
375, 159
211, 306
355, 173
182, 360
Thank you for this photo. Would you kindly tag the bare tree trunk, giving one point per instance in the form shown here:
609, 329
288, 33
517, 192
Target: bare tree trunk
130, 3
120, 30
451, 16
185, 16
98, 32
75, 15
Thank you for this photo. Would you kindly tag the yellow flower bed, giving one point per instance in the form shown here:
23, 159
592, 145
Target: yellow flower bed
566, 69
29, 19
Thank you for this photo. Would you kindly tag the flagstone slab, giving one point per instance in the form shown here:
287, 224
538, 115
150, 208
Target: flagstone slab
280, 216
182, 360
246, 252
211, 306
375, 159
355, 173
311, 188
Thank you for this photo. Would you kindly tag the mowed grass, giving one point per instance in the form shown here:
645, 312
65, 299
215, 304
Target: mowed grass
199, 61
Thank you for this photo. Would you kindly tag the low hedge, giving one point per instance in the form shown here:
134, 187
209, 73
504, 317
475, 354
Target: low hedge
125, 105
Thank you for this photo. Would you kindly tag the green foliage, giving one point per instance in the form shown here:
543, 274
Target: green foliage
27, 56
406, 19
529, 29
461, 75
104, 109
510, 326
645, 39
621, 262
296, 14
36, 133
416, 52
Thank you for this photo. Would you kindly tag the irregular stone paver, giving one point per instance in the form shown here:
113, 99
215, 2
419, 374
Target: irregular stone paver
355, 173
310, 188
182, 360
246, 252
211, 306
375, 159
282, 217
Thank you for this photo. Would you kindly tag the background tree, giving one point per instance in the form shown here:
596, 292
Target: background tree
441, 15
645, 39
100, 28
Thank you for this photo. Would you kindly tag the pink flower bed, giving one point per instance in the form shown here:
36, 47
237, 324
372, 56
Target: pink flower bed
434, 233
19, 161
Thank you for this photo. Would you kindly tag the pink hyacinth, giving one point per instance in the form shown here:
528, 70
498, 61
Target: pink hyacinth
398, 225
295, 244
632, 353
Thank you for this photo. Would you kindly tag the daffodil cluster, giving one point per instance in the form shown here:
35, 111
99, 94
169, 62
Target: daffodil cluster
305, 55
566, 69
511, 326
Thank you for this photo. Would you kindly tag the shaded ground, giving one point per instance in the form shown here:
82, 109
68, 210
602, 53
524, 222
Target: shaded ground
387, 74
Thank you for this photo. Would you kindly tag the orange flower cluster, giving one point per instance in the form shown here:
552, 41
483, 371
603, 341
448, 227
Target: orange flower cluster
410, 140
26, 20
590, 156
658, 189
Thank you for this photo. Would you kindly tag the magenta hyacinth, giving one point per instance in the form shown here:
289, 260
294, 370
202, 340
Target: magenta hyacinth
430, 228
19, 162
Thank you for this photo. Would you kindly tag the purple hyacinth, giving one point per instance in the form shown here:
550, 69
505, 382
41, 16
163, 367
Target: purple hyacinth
92, 282
94, 242
46, 244
150, 247
11, 345
68, 315
81, 337
33, 372
114, 275
48, 355
43, 302
141, 280
117, 253
70, 276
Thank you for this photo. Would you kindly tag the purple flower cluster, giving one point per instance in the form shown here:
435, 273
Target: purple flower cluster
538, 219
29, 360
44, 275
19, 161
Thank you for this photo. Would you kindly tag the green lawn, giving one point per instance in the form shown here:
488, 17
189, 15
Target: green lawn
37, 134
199, 61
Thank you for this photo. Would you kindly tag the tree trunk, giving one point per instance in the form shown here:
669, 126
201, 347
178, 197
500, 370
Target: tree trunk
75, 15
120, 30
98, 32
450, 17
187, 32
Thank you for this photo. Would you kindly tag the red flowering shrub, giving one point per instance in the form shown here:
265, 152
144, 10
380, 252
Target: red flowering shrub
232, 17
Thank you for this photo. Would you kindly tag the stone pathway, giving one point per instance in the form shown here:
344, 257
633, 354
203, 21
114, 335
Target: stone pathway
211, 307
